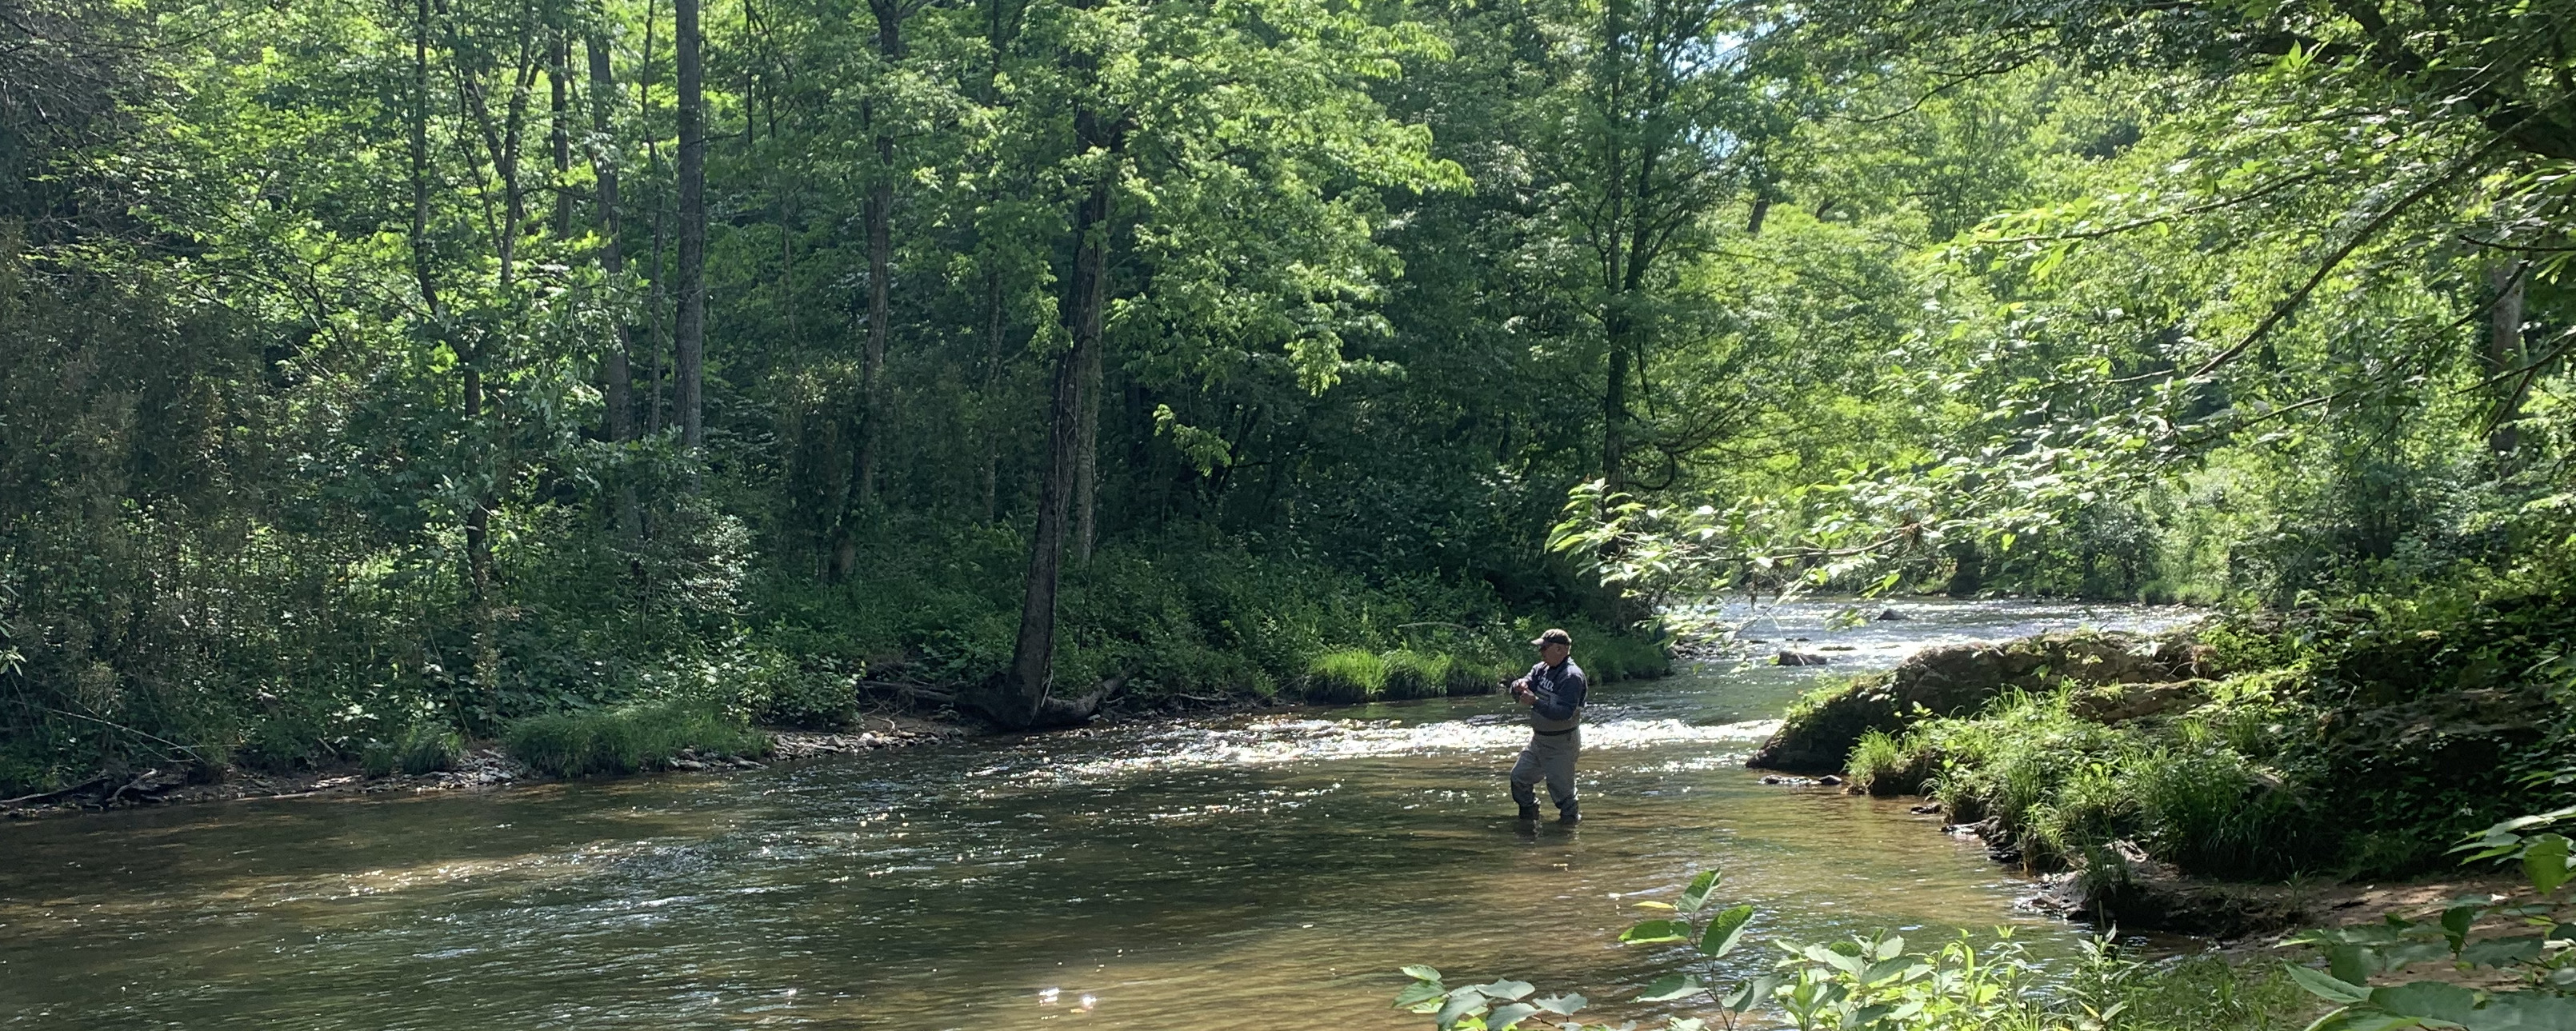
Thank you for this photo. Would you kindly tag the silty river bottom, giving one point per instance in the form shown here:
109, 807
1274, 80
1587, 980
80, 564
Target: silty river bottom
1271, 869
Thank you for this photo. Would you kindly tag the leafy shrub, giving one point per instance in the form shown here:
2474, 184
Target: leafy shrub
1344, 677
1412, 674
417, 750
781, 690
282, 743
627, 740
1871, 983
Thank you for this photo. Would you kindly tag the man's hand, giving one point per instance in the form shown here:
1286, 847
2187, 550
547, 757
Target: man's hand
1521, 692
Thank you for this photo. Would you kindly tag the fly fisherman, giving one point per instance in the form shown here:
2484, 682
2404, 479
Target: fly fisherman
1554, 692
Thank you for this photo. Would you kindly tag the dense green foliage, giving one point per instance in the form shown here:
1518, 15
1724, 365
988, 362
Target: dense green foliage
2354, 741
1967, 983
352, 374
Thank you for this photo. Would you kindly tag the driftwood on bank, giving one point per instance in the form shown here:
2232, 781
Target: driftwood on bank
48, 796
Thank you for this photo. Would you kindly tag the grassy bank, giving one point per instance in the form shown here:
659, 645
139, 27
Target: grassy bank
2360, 740
598, 670
1349, 675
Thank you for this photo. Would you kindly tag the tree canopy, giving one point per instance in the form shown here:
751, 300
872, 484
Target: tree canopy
461, 360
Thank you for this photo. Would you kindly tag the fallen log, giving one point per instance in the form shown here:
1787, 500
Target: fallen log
48, 796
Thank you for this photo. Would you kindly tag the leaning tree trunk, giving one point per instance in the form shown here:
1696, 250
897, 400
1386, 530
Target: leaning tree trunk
1020, 698
1086, 458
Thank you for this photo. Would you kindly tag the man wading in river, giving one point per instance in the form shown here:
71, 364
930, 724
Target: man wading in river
1554, 692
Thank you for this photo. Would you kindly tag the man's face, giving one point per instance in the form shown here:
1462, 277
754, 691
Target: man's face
1553, 653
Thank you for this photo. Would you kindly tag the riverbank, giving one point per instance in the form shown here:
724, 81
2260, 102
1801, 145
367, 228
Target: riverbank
480, 766
2216, 779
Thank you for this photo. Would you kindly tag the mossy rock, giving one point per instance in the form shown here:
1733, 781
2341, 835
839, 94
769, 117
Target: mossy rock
2117, 703
1959, 680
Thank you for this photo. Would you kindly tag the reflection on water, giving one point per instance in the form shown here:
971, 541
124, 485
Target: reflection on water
1174, 874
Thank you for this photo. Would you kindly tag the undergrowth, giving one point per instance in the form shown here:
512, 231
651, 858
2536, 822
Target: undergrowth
2352, 741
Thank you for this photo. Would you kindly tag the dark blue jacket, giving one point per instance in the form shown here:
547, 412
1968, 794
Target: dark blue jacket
1560, 690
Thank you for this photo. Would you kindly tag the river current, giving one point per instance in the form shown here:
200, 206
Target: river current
1267, 869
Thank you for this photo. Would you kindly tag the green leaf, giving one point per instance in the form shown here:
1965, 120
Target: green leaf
2525, 1011
1724, 931
1507, 990
1509, 1016
1696, 895
1419, 993
1887, 969
1563, 1005
2352, 963
1462, 1003
2502, 952
1669, 987
2363, 1020
2327, 986
2456, 921
1419, 972
1653, 931
2431, 1000
1751, 993
2544, 861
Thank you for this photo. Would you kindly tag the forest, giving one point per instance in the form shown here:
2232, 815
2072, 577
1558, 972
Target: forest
387, 385
383, 366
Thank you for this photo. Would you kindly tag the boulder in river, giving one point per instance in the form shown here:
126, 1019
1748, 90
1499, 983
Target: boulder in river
1958, 680
1787, 657
1889, 613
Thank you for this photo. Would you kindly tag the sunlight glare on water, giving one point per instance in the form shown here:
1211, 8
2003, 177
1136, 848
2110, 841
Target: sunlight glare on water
1163, 875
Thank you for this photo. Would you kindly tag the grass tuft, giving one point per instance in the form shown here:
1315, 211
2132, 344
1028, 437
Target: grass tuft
1468, 675
626, 740
416, 751
1412, 674
1345, 677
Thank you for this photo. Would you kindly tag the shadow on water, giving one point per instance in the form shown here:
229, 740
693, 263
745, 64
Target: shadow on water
1181, 873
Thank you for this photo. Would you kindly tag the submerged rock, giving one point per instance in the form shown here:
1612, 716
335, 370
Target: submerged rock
1891, 612
1959, 680
1787, 657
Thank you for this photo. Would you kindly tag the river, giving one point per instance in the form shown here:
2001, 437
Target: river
1259, 869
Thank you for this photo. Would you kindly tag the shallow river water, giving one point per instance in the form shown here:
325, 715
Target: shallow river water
1266, 870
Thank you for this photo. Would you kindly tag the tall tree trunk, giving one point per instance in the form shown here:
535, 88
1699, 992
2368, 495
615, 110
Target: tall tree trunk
502, 140
2504, 353
559, 127
990, 395
689, 337
657, 300
1022, 693
879, 215
1086, 460
618, 364
1614, 404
